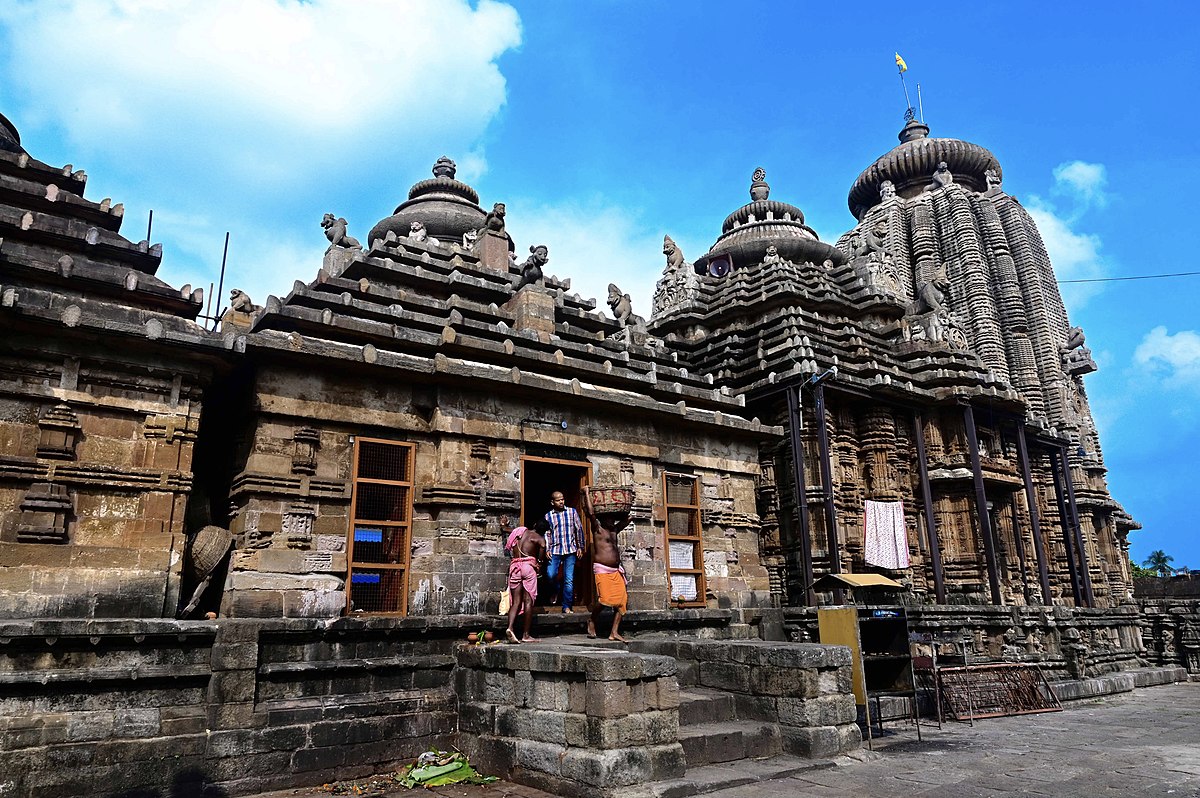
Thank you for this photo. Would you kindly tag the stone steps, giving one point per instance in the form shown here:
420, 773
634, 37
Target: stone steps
702, 705
711, 778
728, 741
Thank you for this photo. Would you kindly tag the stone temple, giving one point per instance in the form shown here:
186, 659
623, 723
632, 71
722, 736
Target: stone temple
255, 548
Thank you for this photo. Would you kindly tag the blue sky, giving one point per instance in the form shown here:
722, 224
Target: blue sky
606, 125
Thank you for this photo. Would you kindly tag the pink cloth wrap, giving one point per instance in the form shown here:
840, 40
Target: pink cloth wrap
514, 536
523, 573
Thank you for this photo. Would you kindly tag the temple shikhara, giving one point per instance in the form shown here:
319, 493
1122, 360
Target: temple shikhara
287, 519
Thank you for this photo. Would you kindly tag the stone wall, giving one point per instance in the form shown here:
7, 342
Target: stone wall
113, 707
295, 471
1065, 642
1171, 627
95, 472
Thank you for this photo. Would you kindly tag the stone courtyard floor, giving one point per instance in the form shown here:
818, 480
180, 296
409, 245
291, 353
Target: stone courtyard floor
1142, 744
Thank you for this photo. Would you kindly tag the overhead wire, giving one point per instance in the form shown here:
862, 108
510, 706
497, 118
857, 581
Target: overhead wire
1139, 277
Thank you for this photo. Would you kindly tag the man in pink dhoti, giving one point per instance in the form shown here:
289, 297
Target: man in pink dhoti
528, 549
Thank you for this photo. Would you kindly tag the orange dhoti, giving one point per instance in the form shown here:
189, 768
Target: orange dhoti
610, 587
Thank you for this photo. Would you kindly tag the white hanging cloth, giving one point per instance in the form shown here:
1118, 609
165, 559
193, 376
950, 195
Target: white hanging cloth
885, 541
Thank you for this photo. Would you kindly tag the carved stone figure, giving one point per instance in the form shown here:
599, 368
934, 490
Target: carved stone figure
239, 301
993, 179
870, 241
622, 308
931, 293
926, 318
418, 233
678, 285
240, 311
335, 231
887, 190
772, 257
941, 178
470, 240
531, 269
673, 253
494, 223
1077, 358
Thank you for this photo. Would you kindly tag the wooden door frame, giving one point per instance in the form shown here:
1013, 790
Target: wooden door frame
588, 468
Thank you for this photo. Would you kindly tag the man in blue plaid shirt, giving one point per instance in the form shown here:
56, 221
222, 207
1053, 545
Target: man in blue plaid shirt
564, 543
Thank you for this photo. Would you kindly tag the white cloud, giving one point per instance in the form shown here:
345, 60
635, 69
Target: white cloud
593, 244
1084, 183
1174, 357
1075, 255
252, 83
254, 116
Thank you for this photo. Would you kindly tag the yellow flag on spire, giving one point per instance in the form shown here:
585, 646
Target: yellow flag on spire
900, 63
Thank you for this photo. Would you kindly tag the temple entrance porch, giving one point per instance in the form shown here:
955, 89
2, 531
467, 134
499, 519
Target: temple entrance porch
540, 477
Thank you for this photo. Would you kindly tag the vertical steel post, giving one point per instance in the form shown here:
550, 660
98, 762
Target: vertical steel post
1035, 522
935, 547
805, 570
1084, 572
1068, 538
835, 558
985, 522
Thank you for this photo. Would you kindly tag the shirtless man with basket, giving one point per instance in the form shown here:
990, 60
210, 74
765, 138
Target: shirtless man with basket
609, 510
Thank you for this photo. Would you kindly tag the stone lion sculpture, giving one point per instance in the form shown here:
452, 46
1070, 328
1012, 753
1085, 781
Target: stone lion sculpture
531, 269
335, 231
674, 254
239, 301
622, 308
417, 232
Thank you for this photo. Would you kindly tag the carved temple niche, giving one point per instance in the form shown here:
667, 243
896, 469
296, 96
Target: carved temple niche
46, 513
305, 443
58, 433
880, 478
481, 462
297, 526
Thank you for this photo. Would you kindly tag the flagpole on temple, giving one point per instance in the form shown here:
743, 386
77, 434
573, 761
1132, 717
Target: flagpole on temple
902, 68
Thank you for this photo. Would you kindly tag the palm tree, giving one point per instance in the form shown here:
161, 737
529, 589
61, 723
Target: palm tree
1159, 561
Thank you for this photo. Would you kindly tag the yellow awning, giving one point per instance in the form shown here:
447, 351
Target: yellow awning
832, 581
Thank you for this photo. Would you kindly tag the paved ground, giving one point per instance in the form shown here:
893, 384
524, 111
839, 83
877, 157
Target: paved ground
1144, 744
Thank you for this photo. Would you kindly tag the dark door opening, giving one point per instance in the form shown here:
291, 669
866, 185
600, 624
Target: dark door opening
539, 478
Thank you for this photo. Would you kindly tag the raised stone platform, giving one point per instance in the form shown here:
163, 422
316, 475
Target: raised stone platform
580, 717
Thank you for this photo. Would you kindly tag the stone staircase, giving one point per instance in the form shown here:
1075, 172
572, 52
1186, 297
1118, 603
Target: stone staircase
711, 733
724, 750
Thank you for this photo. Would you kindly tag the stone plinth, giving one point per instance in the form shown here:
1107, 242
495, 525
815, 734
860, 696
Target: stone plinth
804, 688
494, 252
575, 722
534, 310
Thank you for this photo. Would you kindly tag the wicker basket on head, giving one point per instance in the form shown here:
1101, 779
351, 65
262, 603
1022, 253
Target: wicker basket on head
208, 549
611, 499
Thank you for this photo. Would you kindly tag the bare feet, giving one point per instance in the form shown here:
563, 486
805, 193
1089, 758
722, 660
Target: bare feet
511, 635
591, 632
527, 639
617, 637
568, 611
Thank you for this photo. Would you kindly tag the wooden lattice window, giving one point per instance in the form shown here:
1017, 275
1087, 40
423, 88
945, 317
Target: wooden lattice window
685, 553
380, 527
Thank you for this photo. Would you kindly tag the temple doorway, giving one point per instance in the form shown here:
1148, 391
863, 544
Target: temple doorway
541, 476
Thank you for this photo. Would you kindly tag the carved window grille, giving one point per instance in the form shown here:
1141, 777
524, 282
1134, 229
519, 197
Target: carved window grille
685, 551
380, 536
